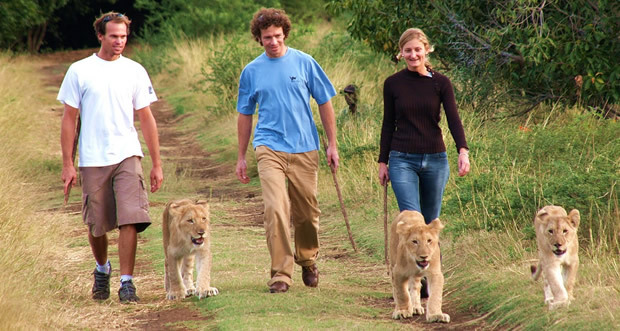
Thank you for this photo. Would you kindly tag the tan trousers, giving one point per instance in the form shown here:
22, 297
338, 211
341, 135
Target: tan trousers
296, 201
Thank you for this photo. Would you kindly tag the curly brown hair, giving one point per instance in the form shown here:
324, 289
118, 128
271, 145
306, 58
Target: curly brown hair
267, 17
114, 17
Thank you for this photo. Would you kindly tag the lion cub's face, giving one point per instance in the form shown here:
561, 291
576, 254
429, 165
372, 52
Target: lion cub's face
192, 220
419, 240
556, 228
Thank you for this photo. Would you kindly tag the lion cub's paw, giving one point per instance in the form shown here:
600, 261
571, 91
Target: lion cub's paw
558, 304
402, 313
174, 295
441, 318
418, 310
209, 292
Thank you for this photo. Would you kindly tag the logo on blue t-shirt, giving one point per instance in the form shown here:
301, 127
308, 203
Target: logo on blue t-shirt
293, 79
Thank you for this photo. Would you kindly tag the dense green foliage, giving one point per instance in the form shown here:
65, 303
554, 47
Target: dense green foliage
34, 25
537, 48
195, 18
24, 22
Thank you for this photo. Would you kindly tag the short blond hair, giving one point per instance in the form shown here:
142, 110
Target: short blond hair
113, 17
416, 34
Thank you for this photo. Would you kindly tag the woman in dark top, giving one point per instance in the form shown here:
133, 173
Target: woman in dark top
411, 139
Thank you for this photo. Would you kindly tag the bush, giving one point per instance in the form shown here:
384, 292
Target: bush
541, 49
196, 18
221, 74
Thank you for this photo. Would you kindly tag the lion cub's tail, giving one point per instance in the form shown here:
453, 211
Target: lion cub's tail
535, 271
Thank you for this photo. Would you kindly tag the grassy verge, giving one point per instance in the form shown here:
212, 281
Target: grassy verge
29, 238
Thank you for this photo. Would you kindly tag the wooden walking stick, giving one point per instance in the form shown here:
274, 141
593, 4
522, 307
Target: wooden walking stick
344, 212
73, 153
385, 226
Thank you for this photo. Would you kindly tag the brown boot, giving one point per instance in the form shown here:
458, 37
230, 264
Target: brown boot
278, 287
310, 275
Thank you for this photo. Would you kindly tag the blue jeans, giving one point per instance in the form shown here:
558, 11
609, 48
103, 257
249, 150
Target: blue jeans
418, 181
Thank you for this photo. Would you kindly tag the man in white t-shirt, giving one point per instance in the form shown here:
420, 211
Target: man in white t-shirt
105, 90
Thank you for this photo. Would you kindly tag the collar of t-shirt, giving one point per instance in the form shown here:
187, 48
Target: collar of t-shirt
428, 73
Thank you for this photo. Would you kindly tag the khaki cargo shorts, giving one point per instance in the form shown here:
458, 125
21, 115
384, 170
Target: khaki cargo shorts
113, 196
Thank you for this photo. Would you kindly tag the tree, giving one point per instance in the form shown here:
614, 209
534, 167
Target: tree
543, 50
24, 22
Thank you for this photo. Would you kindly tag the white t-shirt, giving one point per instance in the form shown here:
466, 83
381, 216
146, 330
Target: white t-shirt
107, 93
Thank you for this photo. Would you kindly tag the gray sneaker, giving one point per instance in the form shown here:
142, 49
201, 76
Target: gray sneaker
101, 287
127, 292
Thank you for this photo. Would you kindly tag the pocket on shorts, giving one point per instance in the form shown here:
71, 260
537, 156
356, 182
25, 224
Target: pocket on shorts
86, 211
143, 198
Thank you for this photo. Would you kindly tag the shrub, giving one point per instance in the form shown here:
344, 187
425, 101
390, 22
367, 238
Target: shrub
540, 49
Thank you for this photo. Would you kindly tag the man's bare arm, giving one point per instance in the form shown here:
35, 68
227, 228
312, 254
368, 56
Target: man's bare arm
151, 137
67, 136
326, 111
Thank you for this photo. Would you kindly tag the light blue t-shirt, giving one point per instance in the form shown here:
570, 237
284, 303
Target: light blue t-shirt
282, 88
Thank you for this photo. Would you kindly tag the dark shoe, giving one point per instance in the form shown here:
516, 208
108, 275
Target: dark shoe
278, 287
101, 287
310, 275
127, 292
424, 289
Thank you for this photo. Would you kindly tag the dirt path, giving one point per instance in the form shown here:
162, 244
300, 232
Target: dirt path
216, 182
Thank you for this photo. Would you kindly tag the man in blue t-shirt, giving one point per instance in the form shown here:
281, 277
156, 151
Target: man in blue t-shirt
286, 142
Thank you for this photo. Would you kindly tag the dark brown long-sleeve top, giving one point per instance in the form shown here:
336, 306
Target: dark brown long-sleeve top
412, 113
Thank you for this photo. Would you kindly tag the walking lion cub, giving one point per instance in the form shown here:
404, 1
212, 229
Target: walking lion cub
414, 253
558, 248
187, 236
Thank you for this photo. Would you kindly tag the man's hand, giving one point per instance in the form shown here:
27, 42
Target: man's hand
242, 171
333, 158
68, 176
157, 178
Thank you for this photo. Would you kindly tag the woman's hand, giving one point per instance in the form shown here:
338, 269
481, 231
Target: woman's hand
463, 162
384, 177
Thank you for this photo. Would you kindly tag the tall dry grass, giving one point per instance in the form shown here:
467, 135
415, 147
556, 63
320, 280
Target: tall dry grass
30, 239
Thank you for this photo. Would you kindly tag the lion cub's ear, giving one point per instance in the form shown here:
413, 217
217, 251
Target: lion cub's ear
407, 219
436, 225
203, 203
173, 207
574, 217
541, 216
403, 227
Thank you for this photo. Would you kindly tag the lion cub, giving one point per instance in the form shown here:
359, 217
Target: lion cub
187, 237
558, 248
414, 253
